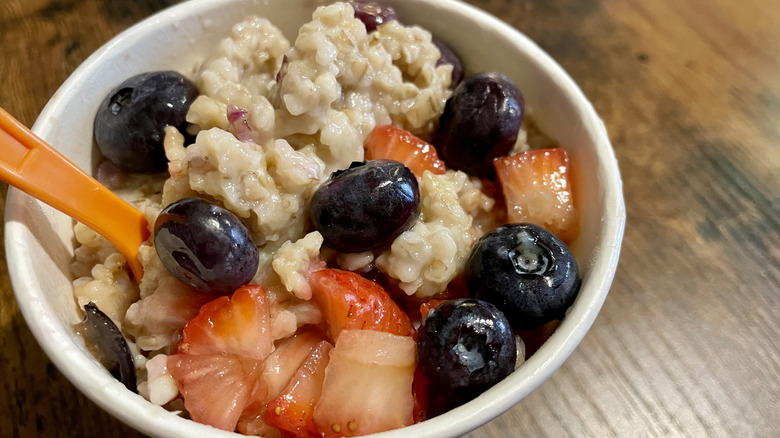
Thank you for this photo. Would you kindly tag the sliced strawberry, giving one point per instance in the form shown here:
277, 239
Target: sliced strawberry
293, 410
392, 143
252, 422
349, 301
238, 325
215, 388
428, 305
537, 189
275, 374
421, 394
284, 362
368, 384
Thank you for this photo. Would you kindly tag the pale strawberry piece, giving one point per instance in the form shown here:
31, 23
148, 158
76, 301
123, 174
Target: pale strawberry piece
393, 143
290, 354
537, 188
293, 410
275, 374
238, 325
215, 388
368, 384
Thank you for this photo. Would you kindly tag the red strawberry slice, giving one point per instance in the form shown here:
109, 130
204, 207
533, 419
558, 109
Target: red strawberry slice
537, 189
349, 301
238, 325
215, 388
392, 143
368, 385
275, 374
293, 410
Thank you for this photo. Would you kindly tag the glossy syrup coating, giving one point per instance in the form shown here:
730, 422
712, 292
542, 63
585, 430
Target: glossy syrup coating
130, 122
366, 206
205, 246
526, 271
464, 347
480, 123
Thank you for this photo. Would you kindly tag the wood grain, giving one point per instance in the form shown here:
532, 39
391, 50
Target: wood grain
688, 342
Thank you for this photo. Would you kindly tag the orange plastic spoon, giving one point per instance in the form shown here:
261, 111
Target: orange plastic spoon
31, 165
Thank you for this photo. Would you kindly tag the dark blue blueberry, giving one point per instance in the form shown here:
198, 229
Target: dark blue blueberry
130, 122
450, 57
366, 206
464, 347
110, 347
526, 271
480, 123
373, 14
205, 246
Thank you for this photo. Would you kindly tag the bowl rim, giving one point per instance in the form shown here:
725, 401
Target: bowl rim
103, 389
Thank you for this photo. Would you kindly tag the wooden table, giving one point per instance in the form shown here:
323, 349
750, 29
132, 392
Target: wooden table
688, 342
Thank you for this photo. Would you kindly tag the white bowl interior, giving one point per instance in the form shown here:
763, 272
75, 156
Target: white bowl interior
39, 240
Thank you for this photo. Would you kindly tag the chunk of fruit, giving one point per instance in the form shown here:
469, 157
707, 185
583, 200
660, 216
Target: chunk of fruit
480, 123
349, 301
276, 373
238, 325
526, 271
368, 384
537, 189
215, 388
110, 346
366, 206
448, 56
373, 14
392, 143
281, 365
293, 410
465, 346
205, 246
130, 122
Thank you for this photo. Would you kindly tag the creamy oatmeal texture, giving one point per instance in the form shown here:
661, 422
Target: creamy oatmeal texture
274, 120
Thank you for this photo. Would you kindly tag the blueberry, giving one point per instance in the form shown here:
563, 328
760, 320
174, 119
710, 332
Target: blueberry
205, 246
526, 271
450, 57
366, 206
480, 123
464, 347
130, 122
373, 14
110, 347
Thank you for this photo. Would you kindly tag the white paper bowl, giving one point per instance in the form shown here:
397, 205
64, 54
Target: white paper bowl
39, 240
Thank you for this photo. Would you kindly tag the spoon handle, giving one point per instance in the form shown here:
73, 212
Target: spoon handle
31, 165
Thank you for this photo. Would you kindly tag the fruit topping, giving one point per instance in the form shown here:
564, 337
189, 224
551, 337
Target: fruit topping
366, 206
130, 122
391, 143
293, 410
237, 325
373, 14
526, 271
368, 385
205, 246
465, 346
480, 123
537, 189
110, 347
450, 57
349, 301
215, 388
